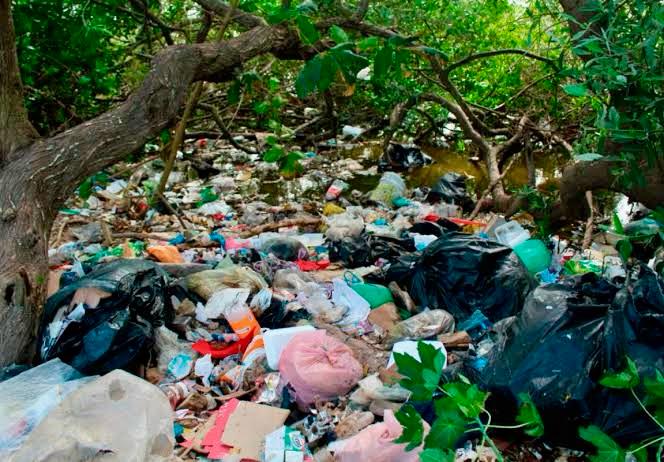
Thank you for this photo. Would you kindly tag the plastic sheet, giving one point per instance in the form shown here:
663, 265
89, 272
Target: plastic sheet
401, 157
118, 417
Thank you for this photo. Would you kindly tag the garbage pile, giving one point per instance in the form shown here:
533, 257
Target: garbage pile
264, 332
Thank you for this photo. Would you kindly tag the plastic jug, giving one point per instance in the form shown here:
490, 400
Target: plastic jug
534, 255
511, 234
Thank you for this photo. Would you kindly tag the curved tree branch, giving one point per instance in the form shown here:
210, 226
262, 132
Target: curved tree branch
240, 17
506, 51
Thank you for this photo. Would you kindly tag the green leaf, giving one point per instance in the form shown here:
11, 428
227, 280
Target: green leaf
291, 163
655, 386
261, 107
588, 157
85, 189
408, 366
431, 357
437, 455
413, 429
624, 248
447, 428
607, 449
617, 225
382, 63
307, 79
349, 63
625, 379
328, 71
575, 89
368, 43
467, 397
641, 455
273, 154
338, 34
308, 31
528, 414
165, 136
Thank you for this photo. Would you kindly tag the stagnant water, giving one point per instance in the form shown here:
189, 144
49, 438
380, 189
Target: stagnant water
547, 166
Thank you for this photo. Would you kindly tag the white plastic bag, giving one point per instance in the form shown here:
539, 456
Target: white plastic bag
358, 307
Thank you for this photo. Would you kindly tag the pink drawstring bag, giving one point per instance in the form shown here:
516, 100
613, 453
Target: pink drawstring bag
376, 442
318, 366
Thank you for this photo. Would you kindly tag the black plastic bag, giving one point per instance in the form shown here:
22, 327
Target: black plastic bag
119, 331
451, 189
462, 273
365, 249
400, 157
563, 341
285, 248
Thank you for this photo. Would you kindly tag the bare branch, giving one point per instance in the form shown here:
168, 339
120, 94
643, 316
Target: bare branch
510, 143
506, 51
239, 17
522, 91
164, 28
463, 119
224, 130
447, 85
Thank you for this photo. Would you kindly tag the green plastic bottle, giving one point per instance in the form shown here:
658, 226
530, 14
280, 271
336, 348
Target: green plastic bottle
534, 255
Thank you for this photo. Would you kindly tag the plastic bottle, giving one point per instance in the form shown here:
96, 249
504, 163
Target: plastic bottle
242, 320
534, 255
335, 190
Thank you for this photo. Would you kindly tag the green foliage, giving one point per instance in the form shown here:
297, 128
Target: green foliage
619, 75
421, 377
606, 449
85, 189
69, 57
459, 406
529, 415
413, 429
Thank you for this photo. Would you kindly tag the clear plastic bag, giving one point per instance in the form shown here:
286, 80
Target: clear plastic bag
27, 398
423, 325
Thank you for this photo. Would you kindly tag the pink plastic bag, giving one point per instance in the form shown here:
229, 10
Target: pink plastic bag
318, 366
376, 442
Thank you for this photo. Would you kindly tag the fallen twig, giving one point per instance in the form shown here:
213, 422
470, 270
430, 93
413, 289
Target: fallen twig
282, 224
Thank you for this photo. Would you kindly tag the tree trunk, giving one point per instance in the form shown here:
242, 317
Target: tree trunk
590, 176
